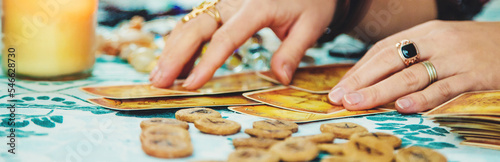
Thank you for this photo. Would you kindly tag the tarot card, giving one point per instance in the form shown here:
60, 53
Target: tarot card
481, 142
271, 112
296, 100
314, 79
471, 103
173, 102
218, 85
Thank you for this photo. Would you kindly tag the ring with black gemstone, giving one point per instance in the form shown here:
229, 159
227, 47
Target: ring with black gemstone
408, 51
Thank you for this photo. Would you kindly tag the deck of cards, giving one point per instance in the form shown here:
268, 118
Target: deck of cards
252, 93
473, 115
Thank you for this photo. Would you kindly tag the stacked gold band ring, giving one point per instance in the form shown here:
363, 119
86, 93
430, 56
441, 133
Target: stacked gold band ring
205, 7
431, 70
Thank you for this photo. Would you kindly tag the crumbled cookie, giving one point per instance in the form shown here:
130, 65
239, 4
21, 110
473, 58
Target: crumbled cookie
263, 133
163, 121
217, 126
342, 130
317, 138
192, 114
295, 150
165, 131
419, 154
385, 137
251, 155
332, 149
276, 125
263, 143
167, 147
367, 149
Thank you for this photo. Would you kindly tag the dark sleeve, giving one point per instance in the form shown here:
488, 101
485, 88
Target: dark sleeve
459, 9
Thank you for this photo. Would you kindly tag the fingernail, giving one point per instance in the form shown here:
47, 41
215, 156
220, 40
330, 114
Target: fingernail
404, 103
288, 73
189, 79
353, 98
336, 95
153, 73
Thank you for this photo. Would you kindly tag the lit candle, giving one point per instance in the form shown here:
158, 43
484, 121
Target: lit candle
53, 39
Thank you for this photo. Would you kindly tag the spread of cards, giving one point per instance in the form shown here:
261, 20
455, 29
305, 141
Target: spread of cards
253, 93
476, 116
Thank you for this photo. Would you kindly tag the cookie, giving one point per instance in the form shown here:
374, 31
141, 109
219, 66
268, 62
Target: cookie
263, 143
251, 155
367, 149
338, 159
342, 130
192, 114
167, 147
163, 121
417, 154
332, 149
276, 125
263, 133
317, 138
295, 150
165, 131
385, 137
217, 126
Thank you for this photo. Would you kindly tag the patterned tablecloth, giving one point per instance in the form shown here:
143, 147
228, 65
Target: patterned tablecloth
54, 122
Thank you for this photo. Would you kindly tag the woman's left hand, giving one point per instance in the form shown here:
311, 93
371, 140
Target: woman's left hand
466, 56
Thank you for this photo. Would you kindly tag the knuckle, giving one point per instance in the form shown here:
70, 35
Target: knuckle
421, 99
373, 95
223, 37
355, 81
410, 79
444, 89
388, 56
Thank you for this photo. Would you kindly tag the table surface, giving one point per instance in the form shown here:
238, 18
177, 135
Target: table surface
56, 123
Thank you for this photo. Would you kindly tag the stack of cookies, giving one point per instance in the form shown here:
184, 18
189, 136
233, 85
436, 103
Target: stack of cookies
271, 140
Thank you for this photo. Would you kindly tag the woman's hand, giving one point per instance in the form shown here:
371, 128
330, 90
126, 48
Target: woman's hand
298, 23
466, 56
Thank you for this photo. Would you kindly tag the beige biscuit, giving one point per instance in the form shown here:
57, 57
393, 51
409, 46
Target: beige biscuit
419, 154
263, 133
167, 147
332, 149
251, 155
192, 114
385, 137
263, 143
165, 131
338, 159
217, 126
276, 125
317, 138
342, 130
163, 121
367, 149
295, 150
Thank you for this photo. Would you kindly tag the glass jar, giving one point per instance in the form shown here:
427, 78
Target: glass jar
52, 39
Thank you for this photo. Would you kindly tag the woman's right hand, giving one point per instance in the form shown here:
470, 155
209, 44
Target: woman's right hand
297, 23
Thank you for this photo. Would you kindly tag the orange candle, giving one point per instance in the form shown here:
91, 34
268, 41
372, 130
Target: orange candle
53, 39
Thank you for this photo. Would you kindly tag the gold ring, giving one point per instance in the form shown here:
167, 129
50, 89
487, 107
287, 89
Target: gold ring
204, 7
431, 70
408, 51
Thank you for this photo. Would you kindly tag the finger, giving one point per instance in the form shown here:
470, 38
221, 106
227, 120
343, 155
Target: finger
383, 64
224, 41
301, 37
409, 80
434, 95
180, 48
390, 41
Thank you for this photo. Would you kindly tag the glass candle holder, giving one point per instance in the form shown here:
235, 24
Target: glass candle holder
52, 39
